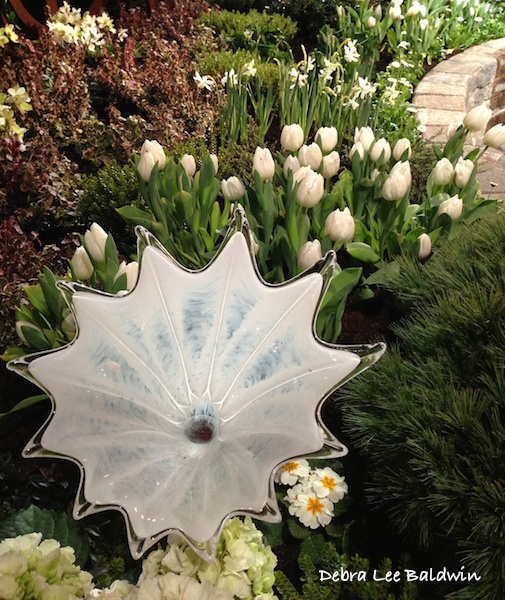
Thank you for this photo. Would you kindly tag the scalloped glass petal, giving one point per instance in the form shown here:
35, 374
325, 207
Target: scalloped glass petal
180, 399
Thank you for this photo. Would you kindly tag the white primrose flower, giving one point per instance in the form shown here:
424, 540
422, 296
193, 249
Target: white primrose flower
311, 510
293, 471
328, 484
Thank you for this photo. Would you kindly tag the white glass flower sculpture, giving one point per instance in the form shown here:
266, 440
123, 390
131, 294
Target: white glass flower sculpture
180, 399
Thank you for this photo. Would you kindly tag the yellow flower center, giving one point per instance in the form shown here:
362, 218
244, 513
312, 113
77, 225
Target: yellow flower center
329, 482
315, 506
291, 466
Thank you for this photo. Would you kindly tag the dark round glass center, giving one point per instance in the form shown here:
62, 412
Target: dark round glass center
200, 430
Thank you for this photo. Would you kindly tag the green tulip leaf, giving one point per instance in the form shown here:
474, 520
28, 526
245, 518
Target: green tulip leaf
362, 252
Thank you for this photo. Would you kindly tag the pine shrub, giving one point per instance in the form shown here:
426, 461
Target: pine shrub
430, 417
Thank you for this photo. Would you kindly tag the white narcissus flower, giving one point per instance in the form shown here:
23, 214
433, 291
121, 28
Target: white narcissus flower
328, 484
292, 137
477, 119
156, 150
146, 165
398, 182
424, 241
263, 164
94, 240
292, 471
380, 148
310, 190
131, 270
463, 171
365, 136
339, 226
331, 164
327, 138
495, 137
249, 70
310, 156
452, 206
81, 264
402, 146
290, 164
232, 189
310, 253
203, 82
188, 163
443, 172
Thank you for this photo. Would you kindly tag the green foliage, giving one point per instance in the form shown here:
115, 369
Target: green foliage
310, 15
112, 187
369, 585
430, 418
266, 34
217, 63
52, 525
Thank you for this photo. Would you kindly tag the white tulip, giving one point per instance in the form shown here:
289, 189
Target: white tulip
310, 156
131, 270
327, 138
371, 22
232, 189
331, 164
22, 325
380, 148
452, 207
424, 246
215, 163
292, 137
495, 137
94, 240
398, 182
310, 189
310, 253
443, 172
339, 226
156, 150
290, 164
357, 147
463, 171
263, 164
365, 135
395, 12
477, 119
188, 163
451, 129
81, 264
146, 165
401, 147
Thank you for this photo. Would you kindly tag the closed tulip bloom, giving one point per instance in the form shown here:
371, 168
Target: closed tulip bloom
310, 189
398, 182
69, 326
371, 22
310, 156
424, 246
131, 270
310, 253
215, 162
81, 264
23, 325
263, 164
380, 148
443, 172
292, 137
331, 164
146, 165
327, 138
477, 119
339, 226
451, 129
400, 147
94, 240
290, 164
395, 12
188, 163
232, 189
156, 150
357, 147
365, 135
463, 171
452, 207
495, 137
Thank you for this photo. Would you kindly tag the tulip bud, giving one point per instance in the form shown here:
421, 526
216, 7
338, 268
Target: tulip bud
232, 189
310, 253
381, 148
81, 264
463, 171
331, 164
22, 325
292, 137
327, 138
263, 164
495, 137
156, 150
401, 147
188, 163
310, 189
254, 244
451, 129
357, 147
364, 135
424, 246
371, 22
290, 164
395, 12
476, 120
146, 165
94, 240
443, 172
131, 270
452, 207
339, 226
215, 162
374, 174
69, 326
398, 182
340, 11
310, 156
